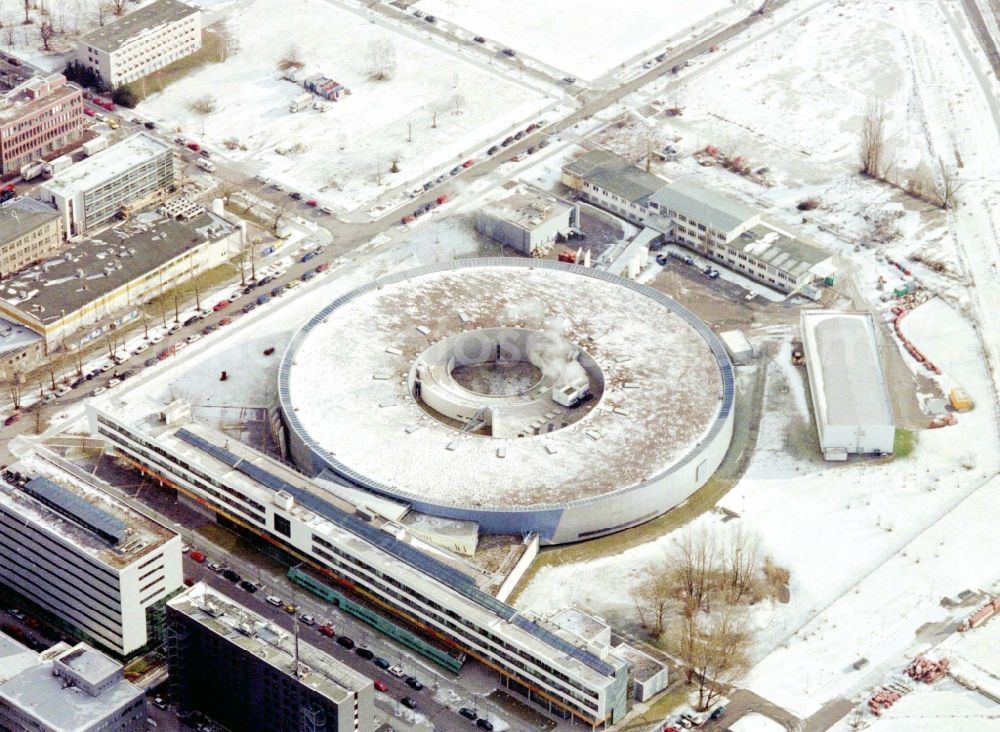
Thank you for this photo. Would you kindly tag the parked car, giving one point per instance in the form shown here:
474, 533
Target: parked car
468, 713
210, 328
414, 683
225, 321
248, 586
249, 306
307, 619
408, 702
89, 112
190, 321
326, 630
221, 305
290, 608
381, 662
265, 281
232, 576
479, 39
150, 362
263, 299
163, 355
397, 671
306, 276
484, 724
192, 338
544, 143
380, 685
569, 79
149, 125
189, 582
509, 52
197, 556
295, 195
98, 391
215, 567
127, 374
13, 418
274, 600
307, 256
344, 641
468, 163
194, 146
322, 267
159, 702
519, 135
278, 291
364, 653
507, 141
81, 381
493, 150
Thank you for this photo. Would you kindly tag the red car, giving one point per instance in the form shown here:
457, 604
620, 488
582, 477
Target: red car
97, 101
107, 104
12, 418
467, 164
221, 305
312, 202
189, 581
225, 321
409, 218
163, 355
380, 685
443, 198
326, 630
89, 112
193, 146
322, 267
198, 557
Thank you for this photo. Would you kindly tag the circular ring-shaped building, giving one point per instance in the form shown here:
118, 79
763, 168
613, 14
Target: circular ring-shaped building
525, 395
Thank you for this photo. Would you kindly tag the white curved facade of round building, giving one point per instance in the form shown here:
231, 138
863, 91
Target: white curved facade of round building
525, 395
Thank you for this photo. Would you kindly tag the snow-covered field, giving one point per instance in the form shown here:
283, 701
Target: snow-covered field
587, 38
339, 155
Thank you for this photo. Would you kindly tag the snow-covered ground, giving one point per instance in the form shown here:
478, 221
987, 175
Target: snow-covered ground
340, 155
587, 38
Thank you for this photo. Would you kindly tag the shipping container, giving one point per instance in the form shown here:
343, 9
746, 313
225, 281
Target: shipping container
54, 166
93, 146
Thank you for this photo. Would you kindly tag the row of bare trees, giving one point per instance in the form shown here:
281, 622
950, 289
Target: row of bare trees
694, 601
939, 188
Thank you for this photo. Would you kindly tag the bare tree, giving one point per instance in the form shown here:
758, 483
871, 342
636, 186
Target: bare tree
9, 31
654, 599
101, 9
715, 650
741, 563
38, 416
948, 188
381, 59
278, 209
15, 384
118, 7
291, 59
203, 106
696, 563
457, 103
872, 149
27, 15
46, 32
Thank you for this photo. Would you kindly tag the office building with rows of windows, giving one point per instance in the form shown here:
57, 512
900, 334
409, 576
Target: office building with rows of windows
124, 176
373, 559
84, 560
714, 226
142, 42
37, 117
238, 668
29, 232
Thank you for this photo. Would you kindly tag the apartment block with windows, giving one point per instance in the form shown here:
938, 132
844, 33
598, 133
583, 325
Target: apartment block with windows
86, 561
142, 42
38, 117
66, 688
235, 666
29, 232
613, 183
732, 234
567, 678
125, 175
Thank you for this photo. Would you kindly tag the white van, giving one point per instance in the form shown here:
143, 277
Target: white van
206, 165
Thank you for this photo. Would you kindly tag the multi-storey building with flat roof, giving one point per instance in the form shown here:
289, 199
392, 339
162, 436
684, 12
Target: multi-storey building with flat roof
100, 281
123, 176
142, 42
82, 558
29, 232
565, 675
714, 226
38, 117
66, 689
238, 668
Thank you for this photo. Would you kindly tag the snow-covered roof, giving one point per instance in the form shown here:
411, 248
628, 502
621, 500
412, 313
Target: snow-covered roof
344, 384
107, 165
842, 353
